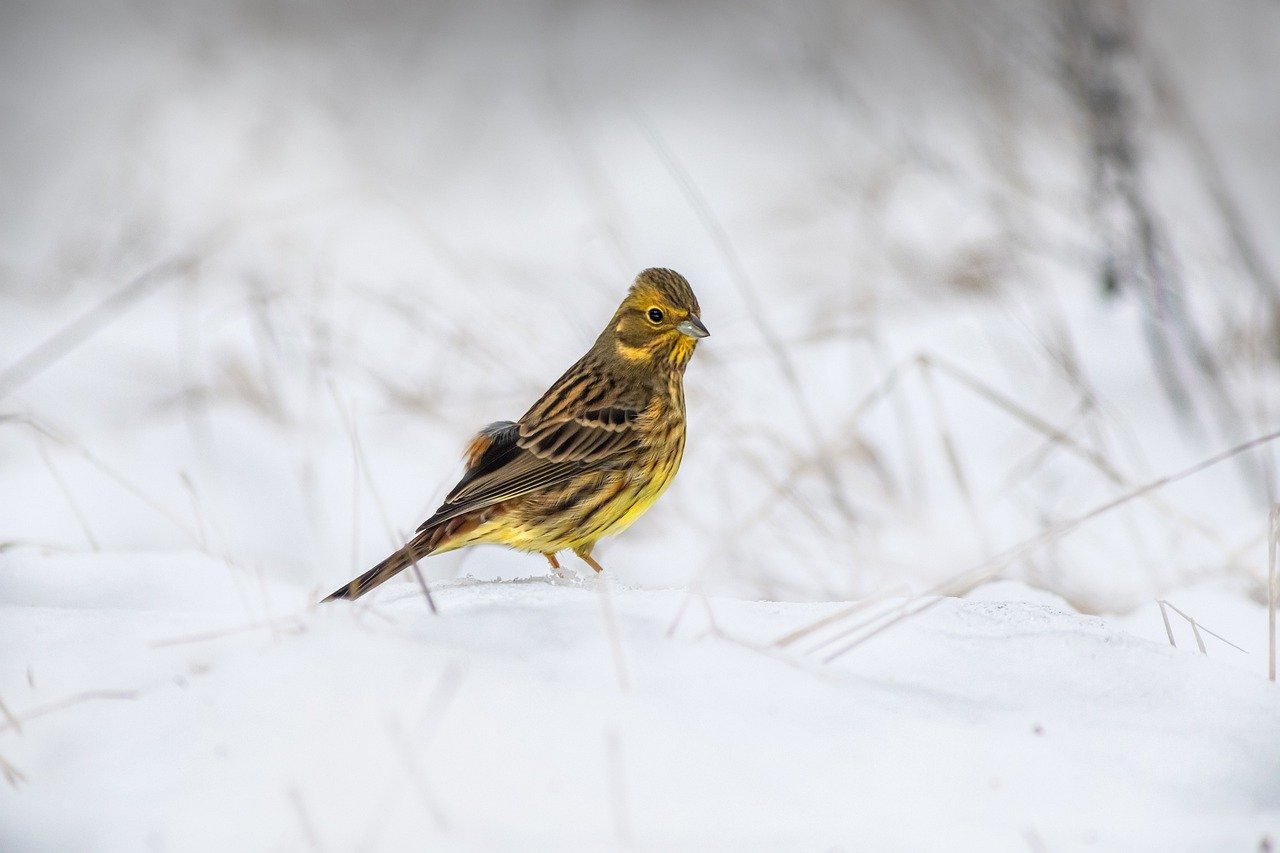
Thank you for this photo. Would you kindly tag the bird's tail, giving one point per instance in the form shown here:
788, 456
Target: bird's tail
419, 547
444, 531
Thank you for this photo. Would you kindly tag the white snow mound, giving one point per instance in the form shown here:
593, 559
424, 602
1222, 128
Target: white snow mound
153, 713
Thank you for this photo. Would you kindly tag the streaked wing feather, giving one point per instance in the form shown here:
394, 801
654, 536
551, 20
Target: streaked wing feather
585, 416
509, 460
587, 437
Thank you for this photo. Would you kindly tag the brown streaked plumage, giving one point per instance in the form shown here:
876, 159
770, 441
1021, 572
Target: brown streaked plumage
587, 459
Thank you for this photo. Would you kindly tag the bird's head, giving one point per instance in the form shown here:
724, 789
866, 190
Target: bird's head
658, 322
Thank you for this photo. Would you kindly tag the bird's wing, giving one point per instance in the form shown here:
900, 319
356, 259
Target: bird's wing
581, 424
590, 436
586, 417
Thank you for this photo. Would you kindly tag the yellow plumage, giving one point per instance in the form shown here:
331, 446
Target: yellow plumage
590, 457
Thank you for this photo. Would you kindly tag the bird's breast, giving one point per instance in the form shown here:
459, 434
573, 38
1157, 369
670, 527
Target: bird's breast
658, 460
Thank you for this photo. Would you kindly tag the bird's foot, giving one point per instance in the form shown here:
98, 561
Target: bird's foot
555, 564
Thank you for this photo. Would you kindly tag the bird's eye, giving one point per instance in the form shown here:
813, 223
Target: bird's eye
655, 315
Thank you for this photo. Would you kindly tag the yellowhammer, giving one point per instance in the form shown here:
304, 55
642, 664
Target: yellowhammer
589, 457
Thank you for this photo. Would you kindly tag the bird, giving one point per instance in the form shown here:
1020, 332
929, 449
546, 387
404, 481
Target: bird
589, 457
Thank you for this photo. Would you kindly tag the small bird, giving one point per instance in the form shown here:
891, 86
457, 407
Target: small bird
599, 447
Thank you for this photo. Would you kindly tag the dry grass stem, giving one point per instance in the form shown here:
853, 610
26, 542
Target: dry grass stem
13, 722
991, 569
1194, 629
61, 483
1062, 439
278, 627
952, 455
362, 471
12, 774
1168, 629
305, 823
111, 473
611, 631
844, 613
755, 307
16, 722
405, 748
64, 341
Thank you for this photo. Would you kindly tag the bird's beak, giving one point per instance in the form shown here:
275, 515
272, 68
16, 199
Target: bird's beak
692, 327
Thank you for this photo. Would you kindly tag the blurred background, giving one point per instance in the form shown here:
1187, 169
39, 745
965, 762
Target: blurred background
970, 269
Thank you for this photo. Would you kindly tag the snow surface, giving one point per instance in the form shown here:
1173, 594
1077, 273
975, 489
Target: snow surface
512, 720
372, 228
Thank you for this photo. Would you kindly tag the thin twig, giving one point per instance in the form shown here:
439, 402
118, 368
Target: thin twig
1062, 439
843, 613
62, 342
423, 725
990, 569
952, 455
12, 774
754, 306
277, 627
1233, 219
304, 819
413, 769
611, 629
1168, 629
81, 518
888, 387
675, 620
14, 722
1196, 628
67, 702
357, 447
111, 473
422, 584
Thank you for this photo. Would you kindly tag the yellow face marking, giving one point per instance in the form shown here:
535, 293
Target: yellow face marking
644, 352
631, 353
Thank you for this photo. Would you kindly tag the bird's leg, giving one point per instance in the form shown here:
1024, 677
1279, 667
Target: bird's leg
555, 564
585, 554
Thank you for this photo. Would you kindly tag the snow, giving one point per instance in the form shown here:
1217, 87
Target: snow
377, 230
513, 720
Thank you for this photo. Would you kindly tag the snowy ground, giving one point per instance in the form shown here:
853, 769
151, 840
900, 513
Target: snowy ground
264, 269
575, 716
